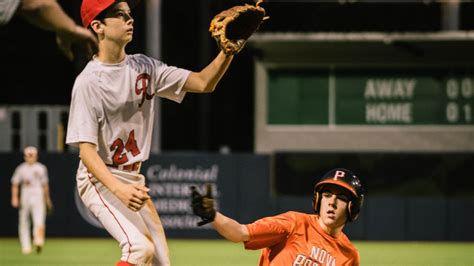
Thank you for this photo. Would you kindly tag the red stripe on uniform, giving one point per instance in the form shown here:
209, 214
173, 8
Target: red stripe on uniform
123, 230
123, 263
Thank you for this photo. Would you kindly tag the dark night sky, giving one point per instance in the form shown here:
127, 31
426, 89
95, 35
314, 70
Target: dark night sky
34, 71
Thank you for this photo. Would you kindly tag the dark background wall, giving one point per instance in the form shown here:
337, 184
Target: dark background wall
34, 71
244, 187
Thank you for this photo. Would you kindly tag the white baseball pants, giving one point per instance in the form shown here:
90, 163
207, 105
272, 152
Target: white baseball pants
140, 234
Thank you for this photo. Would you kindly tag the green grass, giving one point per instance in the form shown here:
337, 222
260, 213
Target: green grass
219, 252
416, 253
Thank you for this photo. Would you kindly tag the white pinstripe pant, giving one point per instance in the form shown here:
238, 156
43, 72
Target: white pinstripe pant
140, 234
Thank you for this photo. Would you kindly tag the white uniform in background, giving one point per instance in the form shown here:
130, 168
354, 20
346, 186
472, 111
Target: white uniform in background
7, 10
112, 107
31, 178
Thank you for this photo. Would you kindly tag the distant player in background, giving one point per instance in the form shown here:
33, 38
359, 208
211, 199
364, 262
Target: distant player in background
48, 15
30, 193
295, 238
111, 121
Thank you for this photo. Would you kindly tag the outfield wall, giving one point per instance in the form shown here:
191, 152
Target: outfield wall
244, 188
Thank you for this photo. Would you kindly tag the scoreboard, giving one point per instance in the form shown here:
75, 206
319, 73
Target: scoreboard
364, 91
371, 97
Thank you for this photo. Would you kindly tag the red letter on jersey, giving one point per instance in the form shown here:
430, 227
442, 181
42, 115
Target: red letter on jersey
141, 88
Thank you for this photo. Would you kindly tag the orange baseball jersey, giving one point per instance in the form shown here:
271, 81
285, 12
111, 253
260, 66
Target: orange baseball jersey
294, 238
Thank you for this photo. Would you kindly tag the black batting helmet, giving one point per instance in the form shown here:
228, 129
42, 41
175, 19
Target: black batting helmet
347, 180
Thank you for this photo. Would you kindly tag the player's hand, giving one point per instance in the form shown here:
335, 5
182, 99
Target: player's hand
133, 196
15, 203
203, 206
82, 38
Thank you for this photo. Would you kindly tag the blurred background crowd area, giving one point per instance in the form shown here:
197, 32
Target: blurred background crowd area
291, 106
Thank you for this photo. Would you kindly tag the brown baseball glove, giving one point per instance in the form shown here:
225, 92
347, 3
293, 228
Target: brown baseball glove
231, 28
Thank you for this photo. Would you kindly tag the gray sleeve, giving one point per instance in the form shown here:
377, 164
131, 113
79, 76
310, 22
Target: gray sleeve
16, 178
169, 81
8, 9
83, 120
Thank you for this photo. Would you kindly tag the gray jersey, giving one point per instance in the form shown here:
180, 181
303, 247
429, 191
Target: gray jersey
31, 178
7, 10
112, 105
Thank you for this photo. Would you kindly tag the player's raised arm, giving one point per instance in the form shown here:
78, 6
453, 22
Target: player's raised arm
206, 80
231, 29
48, 15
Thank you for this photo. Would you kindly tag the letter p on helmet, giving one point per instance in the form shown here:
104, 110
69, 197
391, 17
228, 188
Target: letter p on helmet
339, 174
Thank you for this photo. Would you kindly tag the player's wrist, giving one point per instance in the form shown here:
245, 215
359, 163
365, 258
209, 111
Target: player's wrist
116, 187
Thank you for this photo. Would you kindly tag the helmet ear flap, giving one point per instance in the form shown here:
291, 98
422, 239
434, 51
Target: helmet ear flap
353, 208
316, 202
350, 211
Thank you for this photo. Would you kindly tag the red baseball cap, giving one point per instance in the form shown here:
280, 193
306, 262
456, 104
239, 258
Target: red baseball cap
90, 9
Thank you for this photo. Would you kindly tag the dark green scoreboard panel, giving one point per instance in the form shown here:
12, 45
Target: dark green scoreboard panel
426, 97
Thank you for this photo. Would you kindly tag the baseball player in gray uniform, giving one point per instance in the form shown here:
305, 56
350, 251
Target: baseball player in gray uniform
30, 193
111, 121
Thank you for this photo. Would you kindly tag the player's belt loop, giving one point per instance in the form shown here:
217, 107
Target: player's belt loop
130, 167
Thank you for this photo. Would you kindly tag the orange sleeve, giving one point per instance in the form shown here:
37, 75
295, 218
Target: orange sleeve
270, 231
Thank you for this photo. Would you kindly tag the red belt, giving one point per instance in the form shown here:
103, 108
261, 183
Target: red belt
130, 167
